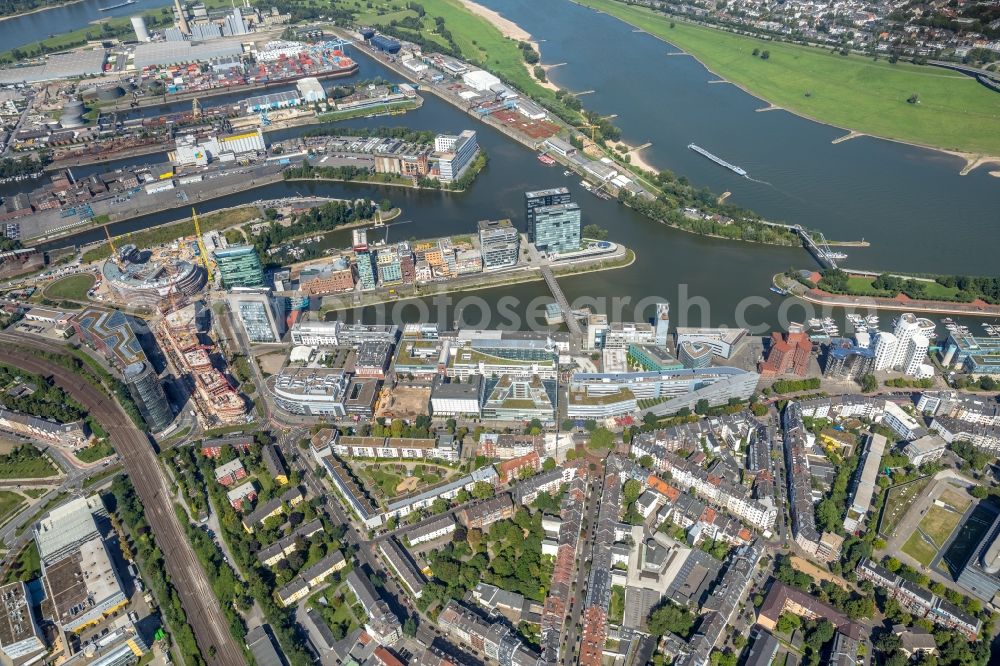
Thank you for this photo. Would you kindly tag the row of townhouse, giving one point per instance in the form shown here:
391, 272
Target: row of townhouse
526, 491
667, 503
564, 571
443, 448
973, 408
980, 435
825, 546
403, 566
920, 601
285, 546
721, 606
311, 578
734, 498
494, 639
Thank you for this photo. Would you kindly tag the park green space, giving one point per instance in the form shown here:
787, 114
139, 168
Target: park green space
27, 566
954, 112
25, 462
919, 549
859, 285
954, 499
478, 40
939, 523
73, 287
94, 452
391, 108
9, 505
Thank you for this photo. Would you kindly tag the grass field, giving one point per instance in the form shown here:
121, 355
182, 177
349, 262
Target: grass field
855, 92
918, 548
862, 286
478, 40
939, 523
73, 287
955, 499
25, 462
94, 452
9, 505
27, 566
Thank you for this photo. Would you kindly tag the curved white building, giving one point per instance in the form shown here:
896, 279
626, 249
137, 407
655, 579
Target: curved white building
149, 283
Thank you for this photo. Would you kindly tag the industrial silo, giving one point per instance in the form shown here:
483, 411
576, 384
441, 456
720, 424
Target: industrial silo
139, 25
72, 114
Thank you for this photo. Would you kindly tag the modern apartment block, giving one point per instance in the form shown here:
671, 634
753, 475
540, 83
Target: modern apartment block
919, 601
455, 154
500, 244
602, 395
822, 546
364, 260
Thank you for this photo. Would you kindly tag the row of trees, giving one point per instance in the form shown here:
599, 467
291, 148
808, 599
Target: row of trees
668, 209
132, 517
402, 133
95, 375
45, 400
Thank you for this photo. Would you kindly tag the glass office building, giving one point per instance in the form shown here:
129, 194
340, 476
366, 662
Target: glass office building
538, 198
239, 266
557, 228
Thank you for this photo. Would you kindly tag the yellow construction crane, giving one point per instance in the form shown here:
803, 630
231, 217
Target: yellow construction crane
593, 130
201, 244
114, 252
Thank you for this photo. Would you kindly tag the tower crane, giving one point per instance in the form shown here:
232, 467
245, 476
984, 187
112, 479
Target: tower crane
111, 242
201, 244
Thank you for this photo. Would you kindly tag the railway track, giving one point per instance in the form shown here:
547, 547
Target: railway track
210, 627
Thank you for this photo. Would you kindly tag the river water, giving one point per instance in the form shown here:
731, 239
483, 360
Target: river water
708, 281
918, 213
21, 30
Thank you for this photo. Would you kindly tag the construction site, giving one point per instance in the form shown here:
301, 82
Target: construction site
192, 355
160, 278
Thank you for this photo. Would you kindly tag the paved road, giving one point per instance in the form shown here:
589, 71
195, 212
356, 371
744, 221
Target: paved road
210, 627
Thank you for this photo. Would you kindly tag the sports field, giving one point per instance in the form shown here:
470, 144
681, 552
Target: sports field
919, 549
954, 111
73, 287
935, 528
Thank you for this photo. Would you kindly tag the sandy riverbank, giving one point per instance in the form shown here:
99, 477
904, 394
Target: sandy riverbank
510, 30
635, 155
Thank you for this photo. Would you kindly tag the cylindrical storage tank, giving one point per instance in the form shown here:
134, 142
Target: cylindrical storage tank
72, 115
110, 94
139, 25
